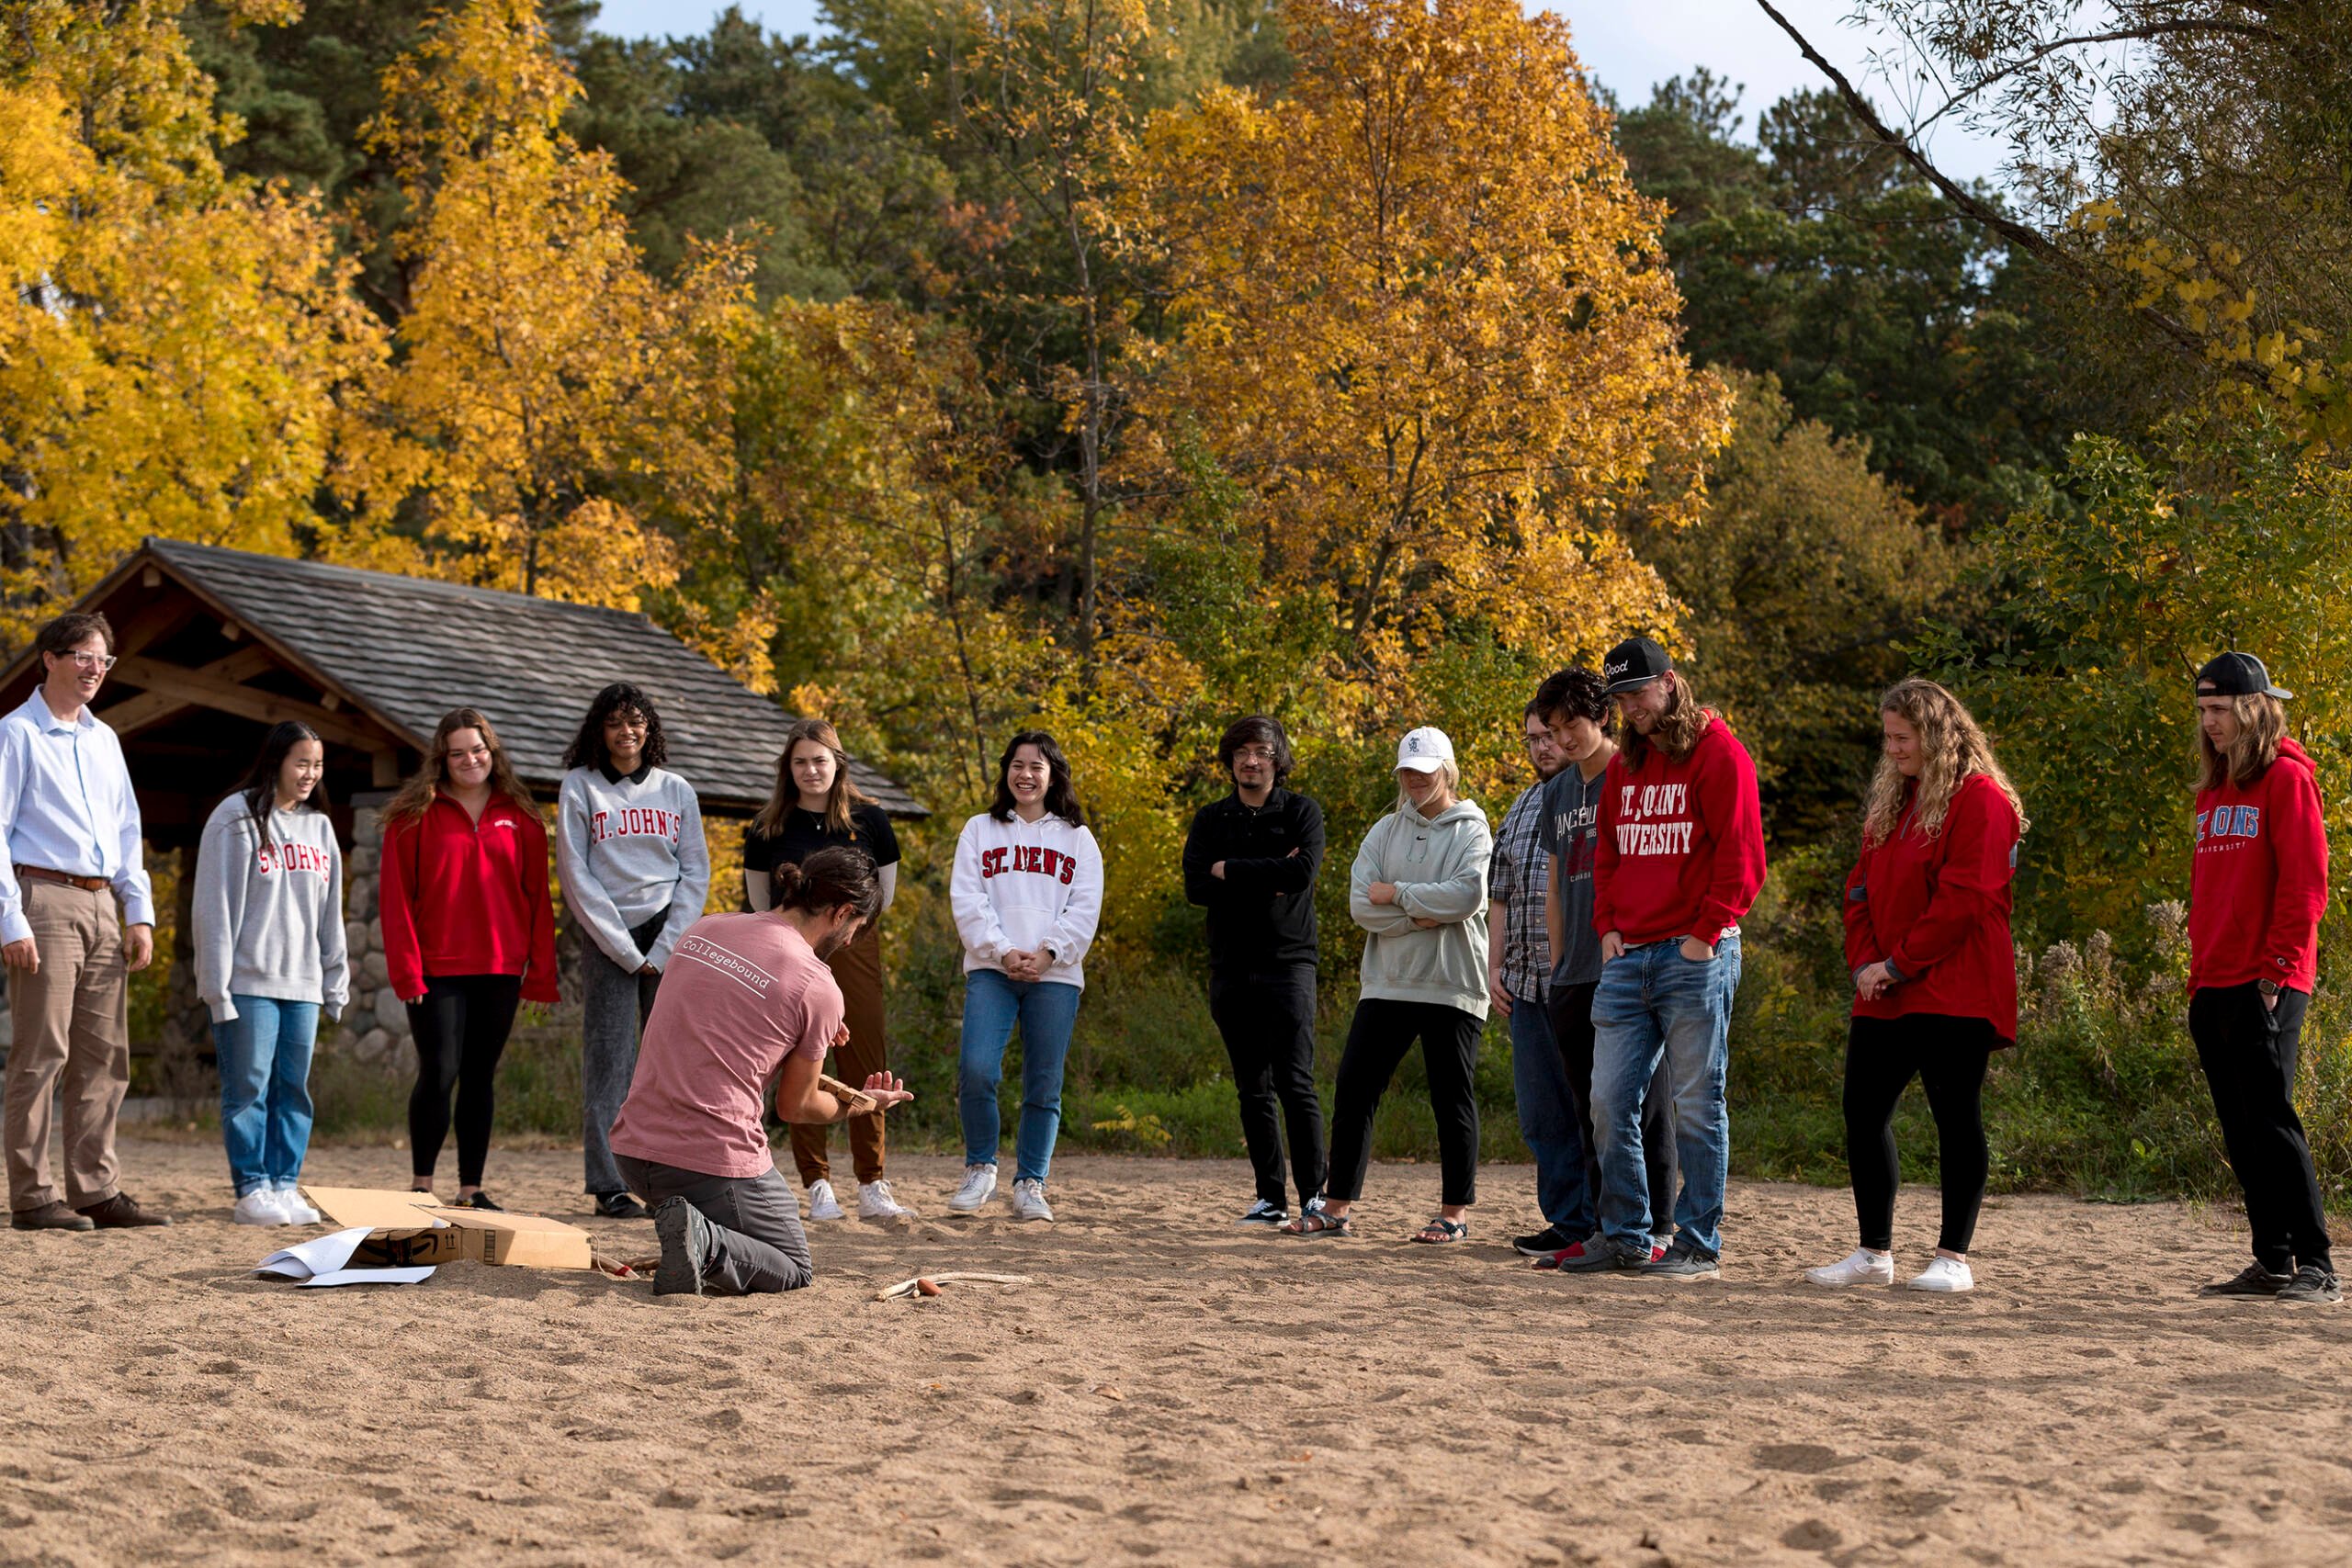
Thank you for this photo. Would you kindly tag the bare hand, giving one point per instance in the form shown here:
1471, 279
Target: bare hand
1022, 965
2271, 1001
840, 1039
1697, 951
1613, 945
1873, 981
1217, 871
1496, 992
649, 969
1382, 893
1422, 922
887, 1091
21, 955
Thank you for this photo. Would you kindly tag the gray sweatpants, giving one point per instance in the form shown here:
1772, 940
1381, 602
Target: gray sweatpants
757, 1248
614, 1005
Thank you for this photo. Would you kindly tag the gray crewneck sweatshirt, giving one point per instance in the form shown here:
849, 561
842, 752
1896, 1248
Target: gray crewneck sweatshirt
269, 911
625, 849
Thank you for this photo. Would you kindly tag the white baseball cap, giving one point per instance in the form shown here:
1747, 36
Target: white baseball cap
1424, 750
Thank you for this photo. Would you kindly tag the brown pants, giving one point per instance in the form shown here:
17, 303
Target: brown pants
858, 967
70, 1016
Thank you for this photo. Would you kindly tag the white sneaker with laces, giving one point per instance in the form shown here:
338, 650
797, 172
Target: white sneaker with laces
1029, 1200
258, 1207
1863, 1267
980, 1185
298, 1211
875, 1203
822, 1205
1946, 1275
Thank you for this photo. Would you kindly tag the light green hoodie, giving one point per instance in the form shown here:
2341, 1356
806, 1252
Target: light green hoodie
1440, 870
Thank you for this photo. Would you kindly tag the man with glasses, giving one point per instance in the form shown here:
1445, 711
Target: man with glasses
1251, 860
76, 920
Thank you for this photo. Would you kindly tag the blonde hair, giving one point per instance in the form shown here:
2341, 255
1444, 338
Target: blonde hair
416, 794
1951, 749
2262, 724
786, 793
1677, 730
1446, 770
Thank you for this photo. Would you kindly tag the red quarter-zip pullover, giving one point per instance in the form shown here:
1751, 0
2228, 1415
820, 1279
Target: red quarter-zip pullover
2259, 879
467, 897
1937, 910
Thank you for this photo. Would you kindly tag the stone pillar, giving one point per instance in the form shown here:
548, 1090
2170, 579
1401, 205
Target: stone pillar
375, 1026
180, 1075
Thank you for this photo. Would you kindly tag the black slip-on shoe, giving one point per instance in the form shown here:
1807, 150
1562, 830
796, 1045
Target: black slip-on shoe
481, 1201
2253, 1279
2311, 1284
621, 1206
1544, 1242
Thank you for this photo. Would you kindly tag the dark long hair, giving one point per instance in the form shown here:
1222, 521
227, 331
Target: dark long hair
588, 750
1258, 729
831, 877
1062, 800
416, 793
260, 783
786, 793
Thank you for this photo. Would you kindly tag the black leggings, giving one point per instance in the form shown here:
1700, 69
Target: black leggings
1948, 1055
460, 1026
1382, 1031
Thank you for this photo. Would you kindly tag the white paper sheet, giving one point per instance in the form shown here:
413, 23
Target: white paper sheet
320, 1261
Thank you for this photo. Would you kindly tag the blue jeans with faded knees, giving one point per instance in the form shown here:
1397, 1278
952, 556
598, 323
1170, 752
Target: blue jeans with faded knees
1046, 1011
1547, 1119
1653, 1003
265, 1054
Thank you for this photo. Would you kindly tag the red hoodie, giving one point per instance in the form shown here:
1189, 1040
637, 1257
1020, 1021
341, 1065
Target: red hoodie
2259, 879
1681, 846
1936, 911
467, 898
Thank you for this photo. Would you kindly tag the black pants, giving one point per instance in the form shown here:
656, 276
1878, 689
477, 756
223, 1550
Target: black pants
2248, 1052
1949, 1055
460, 1027
1570, 1009
757, 1246
1268, 1021
1377, 1040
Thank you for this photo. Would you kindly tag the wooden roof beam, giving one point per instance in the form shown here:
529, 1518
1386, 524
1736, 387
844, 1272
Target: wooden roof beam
152, 707
207, 689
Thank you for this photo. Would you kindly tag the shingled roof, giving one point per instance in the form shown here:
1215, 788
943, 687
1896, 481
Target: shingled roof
408, 649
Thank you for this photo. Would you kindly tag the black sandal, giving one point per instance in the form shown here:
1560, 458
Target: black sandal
1319, 1222
1441, 1231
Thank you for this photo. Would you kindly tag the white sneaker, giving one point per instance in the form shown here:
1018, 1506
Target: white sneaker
822, 1205
980, 1185
1029, 1200
258, 1207
1946, 1275
298, 1211
1864, 1268
875, 1203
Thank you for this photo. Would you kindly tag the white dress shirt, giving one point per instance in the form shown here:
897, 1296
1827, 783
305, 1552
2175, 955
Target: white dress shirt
66, 805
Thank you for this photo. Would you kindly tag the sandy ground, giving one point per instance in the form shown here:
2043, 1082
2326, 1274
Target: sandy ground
1169, 1390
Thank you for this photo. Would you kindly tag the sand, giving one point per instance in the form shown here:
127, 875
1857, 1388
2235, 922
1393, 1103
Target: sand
1170, 1390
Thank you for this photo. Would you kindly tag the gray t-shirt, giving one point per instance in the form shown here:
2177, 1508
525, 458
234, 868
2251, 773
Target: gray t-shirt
1569, 832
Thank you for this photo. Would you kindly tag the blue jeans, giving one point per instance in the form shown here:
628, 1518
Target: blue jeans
1547, 1119
1045, 1010
265, 1055
1654, 1002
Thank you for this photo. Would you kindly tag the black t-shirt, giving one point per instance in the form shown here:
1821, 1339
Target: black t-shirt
804, 833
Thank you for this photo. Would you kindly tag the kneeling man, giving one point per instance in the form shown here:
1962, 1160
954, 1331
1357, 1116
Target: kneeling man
743, 994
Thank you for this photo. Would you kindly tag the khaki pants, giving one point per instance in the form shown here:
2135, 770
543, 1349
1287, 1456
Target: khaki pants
858, 968
72, 1015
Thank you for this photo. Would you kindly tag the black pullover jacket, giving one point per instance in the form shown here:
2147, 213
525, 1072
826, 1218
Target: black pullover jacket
1261, 915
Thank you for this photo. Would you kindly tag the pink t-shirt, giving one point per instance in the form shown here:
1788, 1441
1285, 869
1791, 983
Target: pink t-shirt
741, 993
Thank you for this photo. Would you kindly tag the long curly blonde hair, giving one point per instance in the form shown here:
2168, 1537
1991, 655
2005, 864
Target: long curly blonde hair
1951, 747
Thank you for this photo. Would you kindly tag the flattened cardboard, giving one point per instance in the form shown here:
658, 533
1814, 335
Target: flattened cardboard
410, 1228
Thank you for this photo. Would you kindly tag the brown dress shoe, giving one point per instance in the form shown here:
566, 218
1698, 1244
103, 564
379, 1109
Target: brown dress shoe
52, 1216
121, 1211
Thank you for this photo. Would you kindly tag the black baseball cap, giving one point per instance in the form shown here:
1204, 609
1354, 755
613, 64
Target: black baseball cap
1634, 663
2237, 675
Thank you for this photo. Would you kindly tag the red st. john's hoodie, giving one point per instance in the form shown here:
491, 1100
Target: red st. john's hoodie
2259, 879
462, 897
1681, 846
1936, 911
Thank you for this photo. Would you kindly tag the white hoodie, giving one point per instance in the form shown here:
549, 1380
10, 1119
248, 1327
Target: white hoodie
1026, 885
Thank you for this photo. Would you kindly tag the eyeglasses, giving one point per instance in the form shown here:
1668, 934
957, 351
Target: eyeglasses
1253, 753
101, 662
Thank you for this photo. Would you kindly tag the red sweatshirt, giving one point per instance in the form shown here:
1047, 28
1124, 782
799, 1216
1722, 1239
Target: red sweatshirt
467, 898
2259, 879
1681, 847
1937, 911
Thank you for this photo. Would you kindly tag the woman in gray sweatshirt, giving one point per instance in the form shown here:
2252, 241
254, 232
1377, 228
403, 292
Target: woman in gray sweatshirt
268, 917
634, 868
1418, 889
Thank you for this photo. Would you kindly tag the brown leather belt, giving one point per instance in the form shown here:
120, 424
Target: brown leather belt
43, 873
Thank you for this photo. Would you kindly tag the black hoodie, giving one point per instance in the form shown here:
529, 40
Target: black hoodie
1261, 914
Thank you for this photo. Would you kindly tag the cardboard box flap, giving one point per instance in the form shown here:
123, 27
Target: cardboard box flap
480, 1235
376, 1209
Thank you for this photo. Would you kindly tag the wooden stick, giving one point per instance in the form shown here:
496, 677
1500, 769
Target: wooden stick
860, 1103
908, 1287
